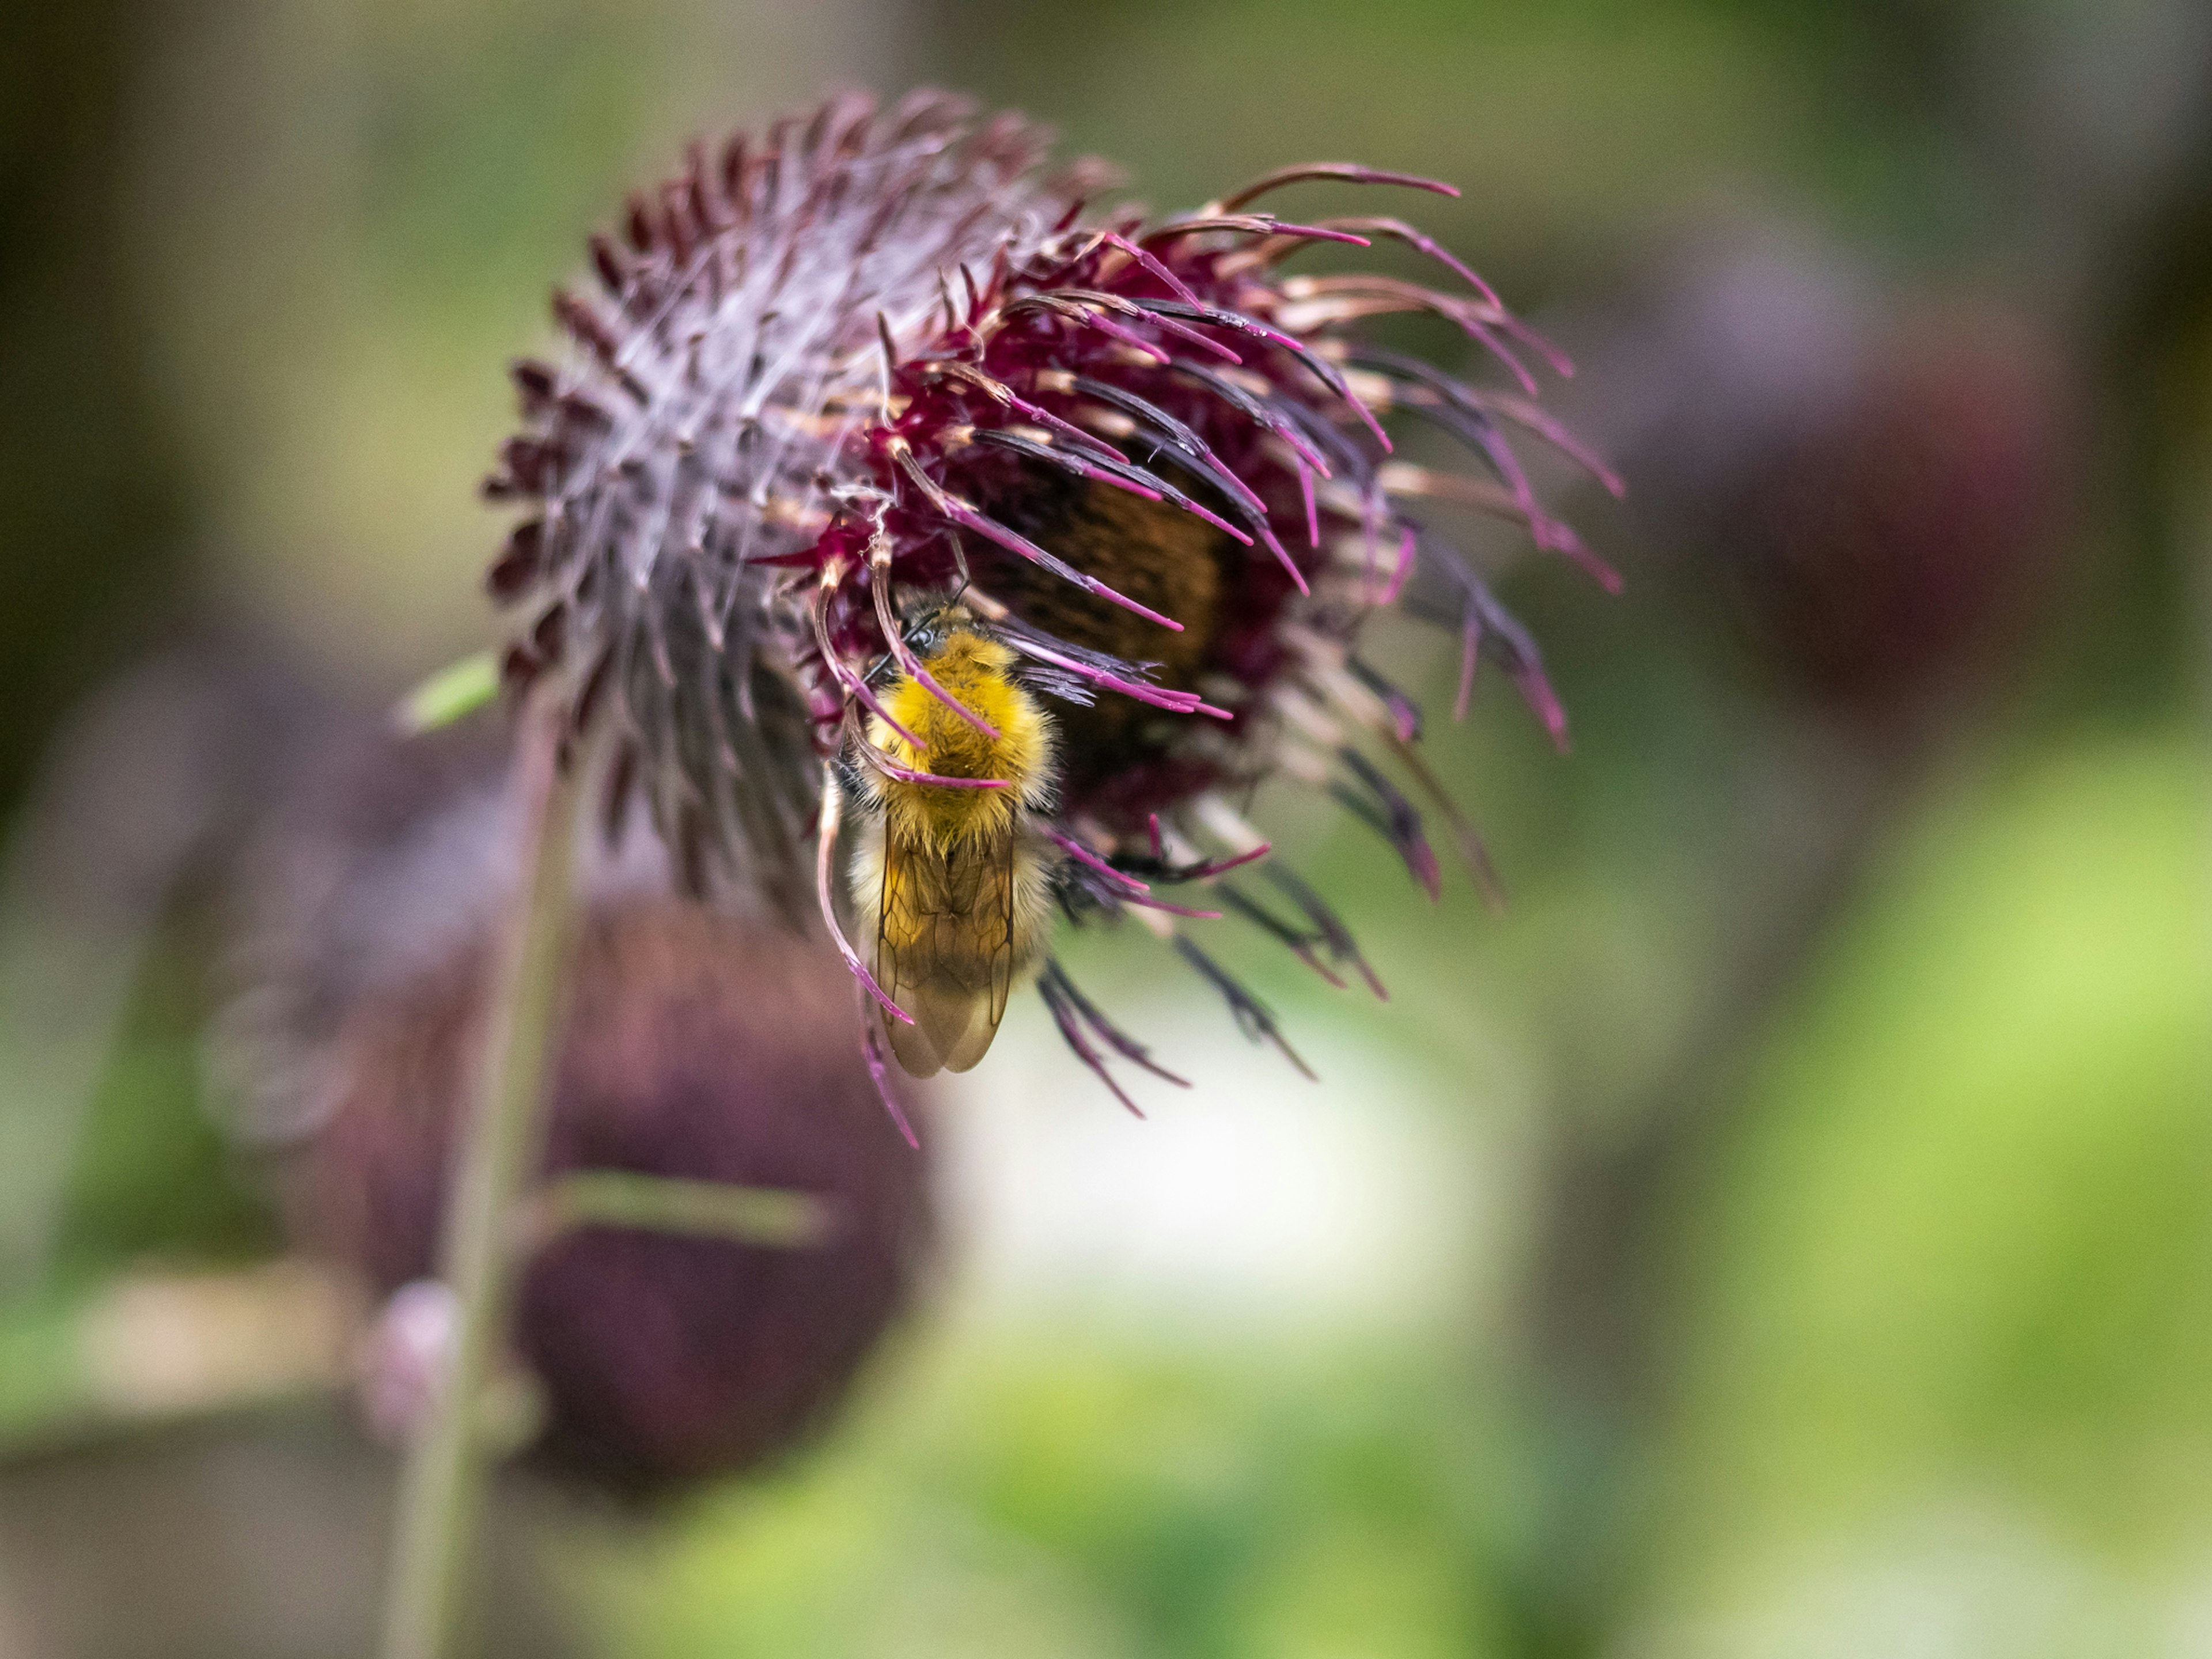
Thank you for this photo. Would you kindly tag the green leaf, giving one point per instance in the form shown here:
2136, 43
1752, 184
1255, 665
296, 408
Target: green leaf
705, 1209
454, 692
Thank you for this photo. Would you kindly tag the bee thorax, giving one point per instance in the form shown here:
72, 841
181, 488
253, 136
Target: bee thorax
1016, 751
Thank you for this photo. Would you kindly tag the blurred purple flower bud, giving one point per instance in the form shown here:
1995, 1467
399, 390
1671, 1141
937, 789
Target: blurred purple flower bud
1879, 481
699, 1046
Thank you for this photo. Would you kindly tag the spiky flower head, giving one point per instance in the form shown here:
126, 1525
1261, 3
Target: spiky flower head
874, 358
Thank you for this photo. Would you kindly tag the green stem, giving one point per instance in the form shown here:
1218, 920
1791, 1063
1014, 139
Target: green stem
441, 1485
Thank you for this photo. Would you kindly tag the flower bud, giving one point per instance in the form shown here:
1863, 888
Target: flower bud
698, 1046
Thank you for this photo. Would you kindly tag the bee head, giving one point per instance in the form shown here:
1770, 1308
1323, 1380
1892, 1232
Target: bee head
931, 621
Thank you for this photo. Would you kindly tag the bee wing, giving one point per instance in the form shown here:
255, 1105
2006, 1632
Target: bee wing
945, 951
906, 941
989, 928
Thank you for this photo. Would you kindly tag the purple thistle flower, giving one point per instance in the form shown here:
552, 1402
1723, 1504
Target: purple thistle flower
872, 360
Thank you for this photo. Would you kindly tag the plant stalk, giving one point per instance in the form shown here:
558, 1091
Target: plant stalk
442, 1486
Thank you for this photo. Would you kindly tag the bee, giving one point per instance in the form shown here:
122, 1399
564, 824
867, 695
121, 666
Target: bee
958, 879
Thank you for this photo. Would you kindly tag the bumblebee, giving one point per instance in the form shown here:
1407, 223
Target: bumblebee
958, 878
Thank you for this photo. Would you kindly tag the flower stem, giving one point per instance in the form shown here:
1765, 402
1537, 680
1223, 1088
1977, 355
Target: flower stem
442, 1482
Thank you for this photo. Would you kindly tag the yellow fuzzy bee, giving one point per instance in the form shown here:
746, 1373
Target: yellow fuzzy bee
958, 877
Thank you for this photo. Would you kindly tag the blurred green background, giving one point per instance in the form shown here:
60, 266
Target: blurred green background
1784, 1230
